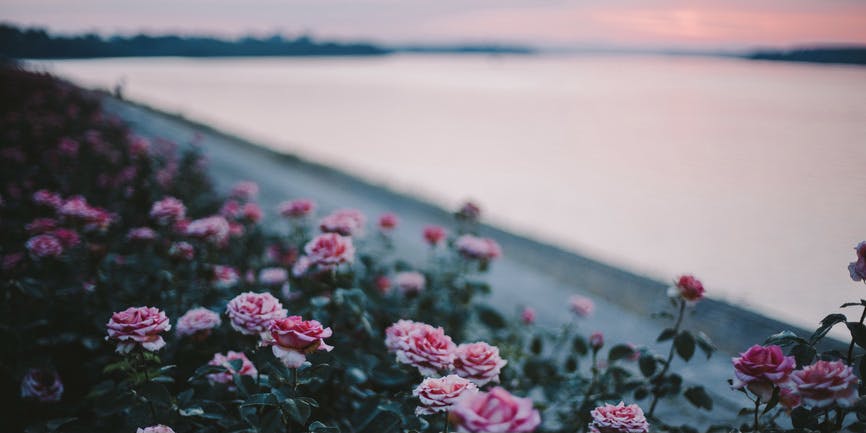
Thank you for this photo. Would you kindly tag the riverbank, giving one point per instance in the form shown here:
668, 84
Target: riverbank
530, 273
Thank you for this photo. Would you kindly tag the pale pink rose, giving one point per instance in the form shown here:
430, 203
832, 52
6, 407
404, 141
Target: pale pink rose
688, 288
140, 326
789, 399
301, 266
330, 249
476, 248
761, 368
346, 222
47, 198
495, 411
618, 419
428, 349
469, 211
410, 282
581, 305
245, 190
596, 340
168, 211
41, 225
155, 429
247, 367
293, 338
857, 268
297, 208
397, 335
141, 234
42, 384
197, 321
181, 251
44, 246
273, 276
68, 238
478, 362
434, 235
252, 313
826, 382
440, 394
214, 229
528, 315
225, 277
388, 222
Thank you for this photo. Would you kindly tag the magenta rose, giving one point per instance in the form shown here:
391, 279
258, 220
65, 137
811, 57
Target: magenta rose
397, 335
245, 190
434, 235
197, 322
155, 429
213, 229
858, 268
47, 198
410, 282
528, 315
168, 211
68, 238
826, 382
138, 326
388, 222
618, 419
44, 246
688, 288
494, 411
581, 305
247, 367
789, 399
428, 349
761, 368
43, 385
478, 362
477, 248
41, 225
440, 394
330, 249
292, 338
252, 313
346, 222
596, 340
297, 208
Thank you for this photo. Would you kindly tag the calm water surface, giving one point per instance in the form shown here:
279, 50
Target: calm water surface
750, 175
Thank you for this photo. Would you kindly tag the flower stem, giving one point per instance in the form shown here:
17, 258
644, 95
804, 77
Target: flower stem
851, 347
446, 422
757, 412
295, 380
670, 356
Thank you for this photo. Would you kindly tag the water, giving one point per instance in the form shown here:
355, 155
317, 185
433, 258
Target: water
748, 174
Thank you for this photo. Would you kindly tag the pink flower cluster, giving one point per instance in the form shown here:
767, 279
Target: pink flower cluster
138, 326
168, 211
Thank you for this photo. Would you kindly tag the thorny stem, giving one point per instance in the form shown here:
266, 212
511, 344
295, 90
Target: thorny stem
670, 355
757, 412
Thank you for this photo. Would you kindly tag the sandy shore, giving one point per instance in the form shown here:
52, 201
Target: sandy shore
530, 273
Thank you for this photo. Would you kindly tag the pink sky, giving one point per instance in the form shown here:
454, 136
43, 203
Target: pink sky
645, 23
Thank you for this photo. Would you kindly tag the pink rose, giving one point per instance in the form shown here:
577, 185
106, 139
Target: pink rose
41, 225
225, 276
214, 229
197, 321
528, 315
141, 234
476, 248
155, 429
68, 238
138, 146
251, 212
478, 362
581, 305
596, 340
858, 268
293, 338
346, 222
618, 419
410, 282
47, 198
168, 211
297, 208
687, 287
181, 251
789, 399
388, 222
43, 385
68, 147
330, 249
44, 246
397, 335
428, 349
495, 411
469, 211
273, 276
434, 235
383, 284
440, 394
138, 326
761, 368
826, 382
301, 266
245, 190
247, 367
252, 313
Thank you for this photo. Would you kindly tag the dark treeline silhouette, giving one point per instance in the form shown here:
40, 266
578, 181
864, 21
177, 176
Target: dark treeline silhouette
841, 55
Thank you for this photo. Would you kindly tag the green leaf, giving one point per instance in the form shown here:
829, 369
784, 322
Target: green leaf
685, 345
191, 411
580, 345
620, 351
155, 393
297, 410
647, 364
263, 399
697, 396
784, 339
858, 333
490, 317
705, 344
319, 427
236, 364
774, 400
803, 354
667, 334
827, 323
54, 424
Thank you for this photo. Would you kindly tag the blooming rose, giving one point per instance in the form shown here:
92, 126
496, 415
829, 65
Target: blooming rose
155, 429
495, 411
581, 305
245, 190
273, 276
346, 222
618, 419
42, 385
297, 208
789, 399
68, 238
478, 362
168, 211
528, 315
43, 246
440, 394
293, 338
826, 382
476, 248
225, 276
41, 225
43, 197
434, 235
428, 349
761, 368
214, 229
181, 251
247, 367
138, 146
687, 287
596, 340
388, 221
397, 335
330, 249
138, 326
252, 313
410, 282
197, 321
141, 234
251, 212
858, 267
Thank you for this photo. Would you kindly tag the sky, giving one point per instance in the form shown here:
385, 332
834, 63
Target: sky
711, 24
